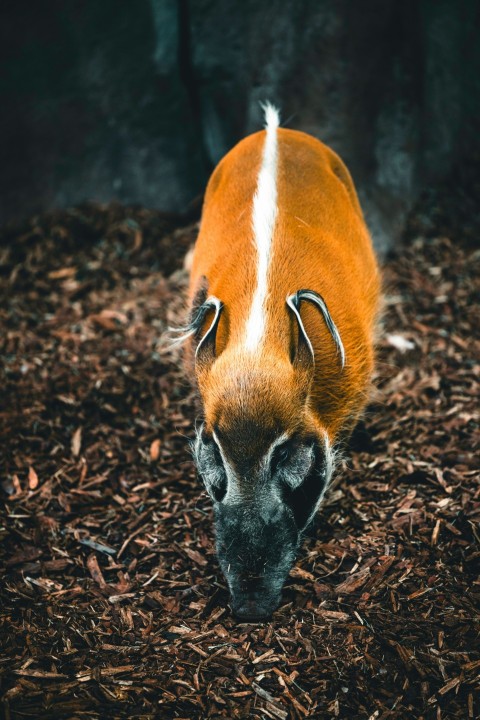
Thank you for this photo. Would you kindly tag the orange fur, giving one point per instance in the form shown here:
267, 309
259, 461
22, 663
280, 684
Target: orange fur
320, 243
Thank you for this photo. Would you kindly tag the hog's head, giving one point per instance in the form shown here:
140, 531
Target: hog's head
264, 457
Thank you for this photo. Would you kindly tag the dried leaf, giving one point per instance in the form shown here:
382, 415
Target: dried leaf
379, 614
155, 450
95, 572
195, 556
76, 442
32, 478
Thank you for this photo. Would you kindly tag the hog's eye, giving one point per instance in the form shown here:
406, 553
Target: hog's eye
305, 483
281, 456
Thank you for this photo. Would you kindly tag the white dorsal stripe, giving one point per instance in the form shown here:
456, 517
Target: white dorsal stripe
263, 220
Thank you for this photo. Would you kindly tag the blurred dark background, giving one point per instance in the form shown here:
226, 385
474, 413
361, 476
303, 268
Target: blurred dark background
137, 101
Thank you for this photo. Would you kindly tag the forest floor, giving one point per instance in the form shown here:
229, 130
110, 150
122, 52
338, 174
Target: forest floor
112, 603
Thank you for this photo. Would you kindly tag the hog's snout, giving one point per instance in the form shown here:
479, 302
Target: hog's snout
256, 553
254, 601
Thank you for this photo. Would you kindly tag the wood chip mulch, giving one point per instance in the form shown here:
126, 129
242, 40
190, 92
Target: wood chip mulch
112, 602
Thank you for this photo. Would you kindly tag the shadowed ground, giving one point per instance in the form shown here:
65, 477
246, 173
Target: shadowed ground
112, 601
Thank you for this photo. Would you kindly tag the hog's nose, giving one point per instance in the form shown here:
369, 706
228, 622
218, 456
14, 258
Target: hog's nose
254, 606
252, 611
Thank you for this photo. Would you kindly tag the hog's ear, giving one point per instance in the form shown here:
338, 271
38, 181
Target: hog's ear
201, 327
304, 357
205, 353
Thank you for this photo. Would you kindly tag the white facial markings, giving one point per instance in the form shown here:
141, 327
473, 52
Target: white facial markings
268, 455
217, 441
329, 467
263, 220
232, 496
300, 464
329, 460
